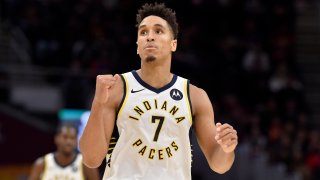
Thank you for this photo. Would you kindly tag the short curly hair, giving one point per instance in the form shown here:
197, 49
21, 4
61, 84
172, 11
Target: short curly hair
160, 10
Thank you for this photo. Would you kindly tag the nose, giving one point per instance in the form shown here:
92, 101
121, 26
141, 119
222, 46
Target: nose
70, 141
150, 37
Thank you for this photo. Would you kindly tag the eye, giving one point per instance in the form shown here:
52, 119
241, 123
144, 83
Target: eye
159, 31
65, 136
143, 32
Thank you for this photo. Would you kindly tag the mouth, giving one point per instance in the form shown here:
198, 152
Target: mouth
150, 46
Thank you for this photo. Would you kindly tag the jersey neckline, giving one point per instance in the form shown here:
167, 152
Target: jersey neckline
64, 166
156, 90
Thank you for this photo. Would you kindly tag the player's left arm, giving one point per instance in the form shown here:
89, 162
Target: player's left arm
91, 173
217, 141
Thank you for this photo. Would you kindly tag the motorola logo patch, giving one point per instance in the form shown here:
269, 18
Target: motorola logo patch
74, 168
176, 94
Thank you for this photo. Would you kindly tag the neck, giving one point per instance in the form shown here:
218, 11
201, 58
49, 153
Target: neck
64, 158
156, 77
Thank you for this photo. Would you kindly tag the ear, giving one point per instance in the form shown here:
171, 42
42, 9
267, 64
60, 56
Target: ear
174, 44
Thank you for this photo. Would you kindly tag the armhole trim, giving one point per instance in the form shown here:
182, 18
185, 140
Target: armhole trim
115, 133
125, 95
187, 90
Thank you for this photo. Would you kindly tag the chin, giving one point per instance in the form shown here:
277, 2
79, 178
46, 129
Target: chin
150, 58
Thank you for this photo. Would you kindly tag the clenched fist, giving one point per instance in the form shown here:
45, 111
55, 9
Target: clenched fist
103, 85
226, 137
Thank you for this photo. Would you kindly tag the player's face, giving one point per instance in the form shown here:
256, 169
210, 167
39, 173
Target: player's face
155, 39
66, 141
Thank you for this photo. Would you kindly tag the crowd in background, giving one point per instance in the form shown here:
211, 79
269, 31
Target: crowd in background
242, 52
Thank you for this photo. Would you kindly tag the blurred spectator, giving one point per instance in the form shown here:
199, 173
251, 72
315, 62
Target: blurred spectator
282, 79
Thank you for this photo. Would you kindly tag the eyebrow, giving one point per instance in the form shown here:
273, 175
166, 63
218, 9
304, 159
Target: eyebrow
157, 25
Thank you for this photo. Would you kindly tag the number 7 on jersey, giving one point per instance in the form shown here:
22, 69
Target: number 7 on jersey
153, 120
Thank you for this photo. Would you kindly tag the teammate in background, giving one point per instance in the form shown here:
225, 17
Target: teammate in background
141, 119
66, 162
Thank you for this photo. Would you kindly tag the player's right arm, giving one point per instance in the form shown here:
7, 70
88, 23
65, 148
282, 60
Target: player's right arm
37, 169
96, 136
91, 173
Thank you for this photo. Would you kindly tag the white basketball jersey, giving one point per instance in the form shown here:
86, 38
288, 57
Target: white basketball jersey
153, 127
54, 171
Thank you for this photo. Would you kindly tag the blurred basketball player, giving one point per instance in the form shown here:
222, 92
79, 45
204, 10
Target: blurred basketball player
65, 163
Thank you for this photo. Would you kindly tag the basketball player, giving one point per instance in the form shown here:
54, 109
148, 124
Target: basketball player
65, 163
140, 120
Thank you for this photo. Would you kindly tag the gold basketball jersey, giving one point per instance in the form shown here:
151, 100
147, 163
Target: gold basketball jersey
153, 132
54, 171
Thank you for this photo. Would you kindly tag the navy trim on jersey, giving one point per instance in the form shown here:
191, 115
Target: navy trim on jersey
124, 94
63, 166
156, 90
192, 120
191, 142
115, 133
189, 99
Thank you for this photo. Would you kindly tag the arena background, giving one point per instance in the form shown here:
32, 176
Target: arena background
259, 61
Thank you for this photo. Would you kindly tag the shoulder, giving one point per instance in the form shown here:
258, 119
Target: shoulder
39, 163
194, 90
196, 93
199, 98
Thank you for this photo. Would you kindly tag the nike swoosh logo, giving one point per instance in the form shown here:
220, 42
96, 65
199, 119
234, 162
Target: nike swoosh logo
133, 91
